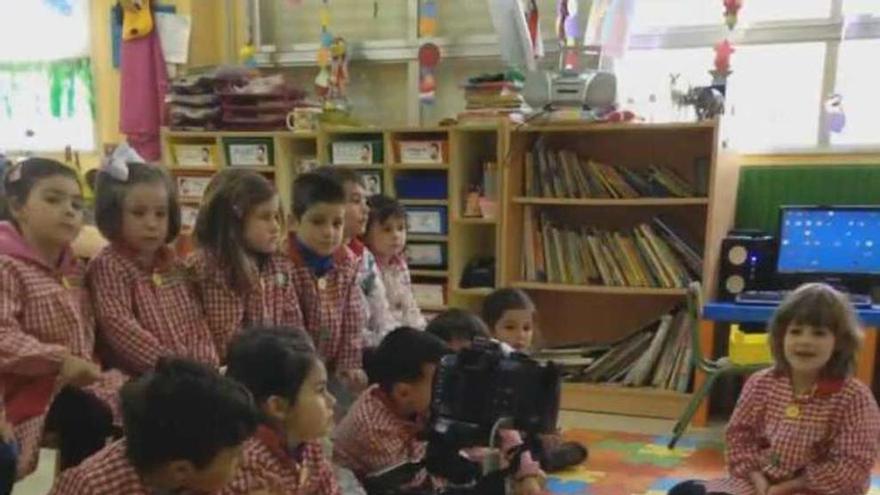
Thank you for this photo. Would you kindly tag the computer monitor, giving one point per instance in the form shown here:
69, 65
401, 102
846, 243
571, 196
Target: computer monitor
838, 244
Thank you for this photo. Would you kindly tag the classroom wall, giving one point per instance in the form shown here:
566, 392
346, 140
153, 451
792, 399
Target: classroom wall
210, 44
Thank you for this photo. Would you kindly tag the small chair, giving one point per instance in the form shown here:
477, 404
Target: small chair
713, 368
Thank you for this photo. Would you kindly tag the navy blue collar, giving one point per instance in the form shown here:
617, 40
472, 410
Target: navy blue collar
320, 265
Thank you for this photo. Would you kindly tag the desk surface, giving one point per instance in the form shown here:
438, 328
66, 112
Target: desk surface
750, 313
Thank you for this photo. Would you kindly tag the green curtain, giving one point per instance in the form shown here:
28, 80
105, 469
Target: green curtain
61, 76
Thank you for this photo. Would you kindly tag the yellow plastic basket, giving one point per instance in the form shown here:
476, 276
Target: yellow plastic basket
748, 348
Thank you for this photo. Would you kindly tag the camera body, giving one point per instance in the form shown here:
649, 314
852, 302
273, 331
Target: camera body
475, 392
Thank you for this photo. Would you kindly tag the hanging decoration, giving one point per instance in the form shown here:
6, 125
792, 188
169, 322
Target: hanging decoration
834, 113
429, 57
567, 31
322, 80
731, 11
724, 49
428, 19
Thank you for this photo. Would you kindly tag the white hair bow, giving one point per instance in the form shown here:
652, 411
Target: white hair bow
117, 163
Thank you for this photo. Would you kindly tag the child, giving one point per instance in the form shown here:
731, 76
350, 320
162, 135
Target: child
382, 430
806, 425
378, 315
50, 378
458, 328
386, 238
144, 305
325, 277
510, 316
240, 274
184, 429
8, 453
289, 383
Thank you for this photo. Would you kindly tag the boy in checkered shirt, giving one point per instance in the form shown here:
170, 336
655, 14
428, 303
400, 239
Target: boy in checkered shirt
184, 428
382, 431
289, 383
144, 304
379, 318
325, 278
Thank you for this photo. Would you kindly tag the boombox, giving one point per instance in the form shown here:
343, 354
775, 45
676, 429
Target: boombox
748, 262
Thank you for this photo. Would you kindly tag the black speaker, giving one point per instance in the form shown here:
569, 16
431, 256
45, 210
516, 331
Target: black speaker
748, 262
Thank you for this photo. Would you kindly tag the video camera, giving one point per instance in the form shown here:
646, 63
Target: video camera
476, 392
480, 390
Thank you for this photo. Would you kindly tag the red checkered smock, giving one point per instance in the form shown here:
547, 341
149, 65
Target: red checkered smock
45, 313
273, 302
107, 472
267, 466
145, 313
373, 439
832, 440
332, 307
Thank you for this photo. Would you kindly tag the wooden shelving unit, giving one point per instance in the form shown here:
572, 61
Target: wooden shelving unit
473, 237
396, 168
598, 313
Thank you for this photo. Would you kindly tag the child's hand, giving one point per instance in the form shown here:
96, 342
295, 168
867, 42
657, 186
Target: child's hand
78, 372
786, 487
760, 482
5, 428
529, 486
355, 380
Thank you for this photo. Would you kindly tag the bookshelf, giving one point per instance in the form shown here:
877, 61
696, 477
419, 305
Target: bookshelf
596, 311
423, 187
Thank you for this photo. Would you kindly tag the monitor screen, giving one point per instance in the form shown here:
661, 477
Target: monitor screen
840, 240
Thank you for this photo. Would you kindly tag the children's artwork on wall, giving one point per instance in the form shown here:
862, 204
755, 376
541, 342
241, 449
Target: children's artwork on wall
429, 57
428, 19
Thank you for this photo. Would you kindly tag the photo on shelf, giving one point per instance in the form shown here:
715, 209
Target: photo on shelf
372, 181
194, 155
430, 220
426, 255
421, 152
188, 215
429, 294
192, 187
356, 152
249, 152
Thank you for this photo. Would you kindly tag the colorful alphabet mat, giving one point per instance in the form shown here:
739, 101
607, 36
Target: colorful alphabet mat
638, 464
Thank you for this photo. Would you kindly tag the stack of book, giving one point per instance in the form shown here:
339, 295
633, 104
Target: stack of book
494, 95
563, 174
658, 356
648, 255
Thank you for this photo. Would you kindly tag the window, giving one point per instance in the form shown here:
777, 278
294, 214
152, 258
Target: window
46, 94
858, 87
789, 58
856, 7
677, 13
774, 96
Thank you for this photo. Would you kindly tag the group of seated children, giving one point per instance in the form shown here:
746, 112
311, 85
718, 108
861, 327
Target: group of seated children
293, 316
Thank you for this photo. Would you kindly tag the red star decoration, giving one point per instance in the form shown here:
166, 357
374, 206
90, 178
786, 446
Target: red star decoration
723, 50
731, 7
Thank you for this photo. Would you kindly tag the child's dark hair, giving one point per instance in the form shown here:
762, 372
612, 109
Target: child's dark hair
342, 175
183, 410
271, 361
501, 300
402, 354
819, 306
20, 179
311, 188
219, 229
382, 208
457, 324
110, 195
